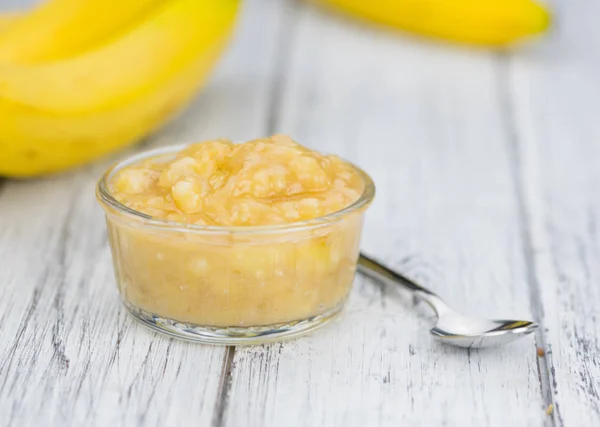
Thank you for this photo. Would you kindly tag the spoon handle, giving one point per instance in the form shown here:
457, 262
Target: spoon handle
371, 268
374, 270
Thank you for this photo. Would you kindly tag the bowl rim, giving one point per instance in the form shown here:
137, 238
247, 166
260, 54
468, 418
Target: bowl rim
109, 203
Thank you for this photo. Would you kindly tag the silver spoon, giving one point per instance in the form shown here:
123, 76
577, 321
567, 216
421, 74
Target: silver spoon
451, 327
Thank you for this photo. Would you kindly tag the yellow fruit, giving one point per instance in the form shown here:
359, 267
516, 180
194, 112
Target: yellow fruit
60, 28
479, 22
124, 69
34, 141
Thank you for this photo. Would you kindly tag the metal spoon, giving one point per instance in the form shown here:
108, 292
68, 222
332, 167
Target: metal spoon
451, 327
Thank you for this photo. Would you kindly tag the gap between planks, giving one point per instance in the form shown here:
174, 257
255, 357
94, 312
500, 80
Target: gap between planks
514, 142
283, 53
224, 387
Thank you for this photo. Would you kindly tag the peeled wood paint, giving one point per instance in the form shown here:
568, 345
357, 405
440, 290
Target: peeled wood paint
65, 338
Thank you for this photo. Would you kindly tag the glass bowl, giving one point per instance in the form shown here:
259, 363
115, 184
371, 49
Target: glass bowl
232, 285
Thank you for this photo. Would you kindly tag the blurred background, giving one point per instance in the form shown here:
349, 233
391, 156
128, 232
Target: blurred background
87, 79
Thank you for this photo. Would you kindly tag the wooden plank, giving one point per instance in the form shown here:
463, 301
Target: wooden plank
556, 103
426, 122
69, 353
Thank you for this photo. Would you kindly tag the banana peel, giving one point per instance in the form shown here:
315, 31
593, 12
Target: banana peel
486, 23
35, 143
122, 69
41, 138
62, 28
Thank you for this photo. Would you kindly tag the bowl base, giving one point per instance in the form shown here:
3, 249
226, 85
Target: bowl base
232, 335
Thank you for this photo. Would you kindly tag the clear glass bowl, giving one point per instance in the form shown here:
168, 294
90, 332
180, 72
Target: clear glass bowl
232, 285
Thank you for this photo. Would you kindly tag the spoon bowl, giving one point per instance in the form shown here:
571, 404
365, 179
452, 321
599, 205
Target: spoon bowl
451, 327
470, 332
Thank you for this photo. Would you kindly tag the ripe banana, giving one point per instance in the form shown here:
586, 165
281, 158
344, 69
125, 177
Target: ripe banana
35, 141
479, 22
60, 28
121, 70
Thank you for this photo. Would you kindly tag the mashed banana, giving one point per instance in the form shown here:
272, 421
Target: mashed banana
233, 278
263, 182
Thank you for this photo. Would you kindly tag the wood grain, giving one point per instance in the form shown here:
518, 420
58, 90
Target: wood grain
69, 353
65, 336
486, 167
427, 122
556, 103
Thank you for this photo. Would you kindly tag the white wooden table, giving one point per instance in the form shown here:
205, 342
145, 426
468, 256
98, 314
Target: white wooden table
488, 173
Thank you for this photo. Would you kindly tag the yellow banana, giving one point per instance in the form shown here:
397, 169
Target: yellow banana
478, 22
123, 69
60, 28
35, 142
